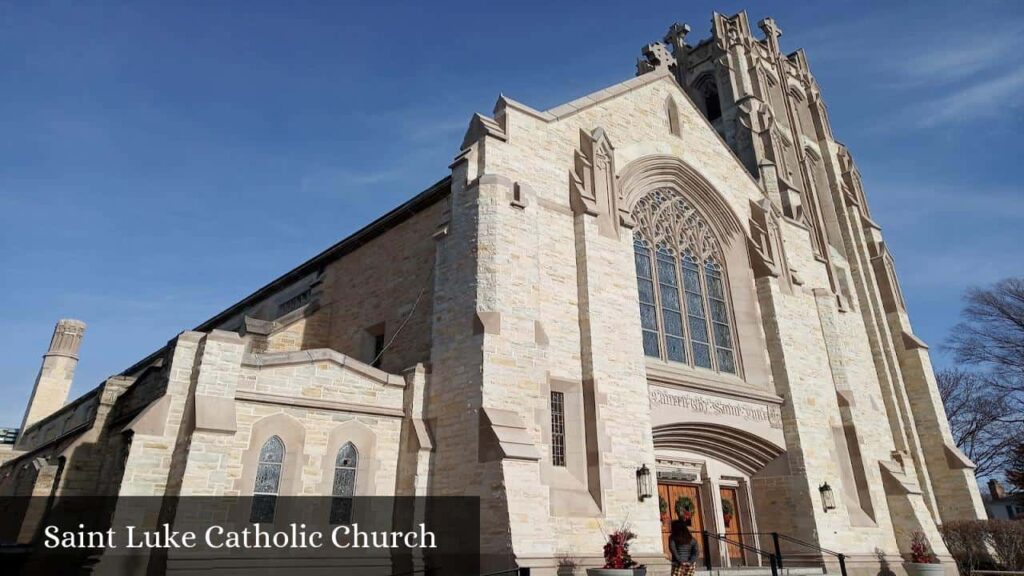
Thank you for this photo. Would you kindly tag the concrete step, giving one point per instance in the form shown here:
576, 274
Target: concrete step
761, 571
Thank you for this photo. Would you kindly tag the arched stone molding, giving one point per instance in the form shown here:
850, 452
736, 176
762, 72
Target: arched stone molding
293, 434
658, 171
365, 441
663, 171
745, 451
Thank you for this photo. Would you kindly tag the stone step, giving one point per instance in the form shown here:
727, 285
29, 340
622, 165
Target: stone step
761, 571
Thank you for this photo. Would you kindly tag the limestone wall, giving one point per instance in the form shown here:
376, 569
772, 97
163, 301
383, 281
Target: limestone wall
314, 400
564, 295
379, 283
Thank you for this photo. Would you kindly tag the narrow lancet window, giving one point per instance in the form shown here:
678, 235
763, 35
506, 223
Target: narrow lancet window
558, 428
697, 321
268, 480
648, 307
719, 317
671, 307
344, 488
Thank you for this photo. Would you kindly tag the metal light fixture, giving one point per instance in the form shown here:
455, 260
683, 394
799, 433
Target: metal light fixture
828, 498
643, 483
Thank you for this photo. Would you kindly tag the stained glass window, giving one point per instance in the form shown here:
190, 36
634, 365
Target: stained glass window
683, 292
648, 308
671, 307
695, 312
719, 317
268, 480
344, 487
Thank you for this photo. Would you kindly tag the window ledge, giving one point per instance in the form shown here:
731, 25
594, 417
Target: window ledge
661, 372
794, 222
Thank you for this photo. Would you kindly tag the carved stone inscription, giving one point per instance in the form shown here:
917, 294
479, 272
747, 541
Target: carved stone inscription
760, 413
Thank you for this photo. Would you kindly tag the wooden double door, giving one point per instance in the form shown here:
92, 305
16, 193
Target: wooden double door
683, 502
680, 502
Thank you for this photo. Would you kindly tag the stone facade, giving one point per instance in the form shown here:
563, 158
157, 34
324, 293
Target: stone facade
483, 339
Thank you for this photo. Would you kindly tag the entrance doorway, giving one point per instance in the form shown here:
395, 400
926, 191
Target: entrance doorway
733, 525
678, 501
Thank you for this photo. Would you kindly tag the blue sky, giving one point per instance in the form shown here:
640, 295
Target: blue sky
159, 162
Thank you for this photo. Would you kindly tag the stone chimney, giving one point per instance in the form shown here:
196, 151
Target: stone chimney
54, 380
996, 490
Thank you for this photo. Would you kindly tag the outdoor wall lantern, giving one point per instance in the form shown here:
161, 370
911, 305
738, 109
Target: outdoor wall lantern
828, 498
643, 483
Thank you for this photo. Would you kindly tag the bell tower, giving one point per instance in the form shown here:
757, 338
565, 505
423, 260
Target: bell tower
55, 375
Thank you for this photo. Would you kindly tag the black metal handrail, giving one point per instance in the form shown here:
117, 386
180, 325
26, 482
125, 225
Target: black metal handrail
773, 560
518, 571
777, 536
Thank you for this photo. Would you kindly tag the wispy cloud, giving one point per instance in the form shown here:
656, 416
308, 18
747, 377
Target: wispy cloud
429, 131
987, 99
913, 204
937, 64
945, 235
330, 181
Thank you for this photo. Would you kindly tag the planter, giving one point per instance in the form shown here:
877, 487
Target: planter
618, 572
915, 569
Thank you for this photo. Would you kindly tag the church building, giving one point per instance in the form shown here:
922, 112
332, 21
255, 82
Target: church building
664, 300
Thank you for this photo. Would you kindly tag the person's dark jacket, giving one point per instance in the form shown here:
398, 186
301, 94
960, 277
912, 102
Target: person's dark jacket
683, 553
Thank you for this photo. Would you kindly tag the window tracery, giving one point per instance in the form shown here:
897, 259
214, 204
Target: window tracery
684, 308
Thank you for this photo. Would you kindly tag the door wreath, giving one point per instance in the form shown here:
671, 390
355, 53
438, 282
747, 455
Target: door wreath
684, 508
727, 511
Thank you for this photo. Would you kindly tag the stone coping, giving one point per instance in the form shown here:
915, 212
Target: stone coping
317, 403
271, 359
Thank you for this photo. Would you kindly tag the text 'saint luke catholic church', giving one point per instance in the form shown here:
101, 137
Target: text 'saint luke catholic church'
678, 272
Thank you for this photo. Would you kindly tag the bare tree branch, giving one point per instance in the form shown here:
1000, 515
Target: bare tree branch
981, 420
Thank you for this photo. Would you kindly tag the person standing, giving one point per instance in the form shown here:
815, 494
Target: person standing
683, 547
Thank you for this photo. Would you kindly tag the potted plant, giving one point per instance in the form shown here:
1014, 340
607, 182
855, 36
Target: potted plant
684, 508
923, 562
617, 561
727, 511
663, 506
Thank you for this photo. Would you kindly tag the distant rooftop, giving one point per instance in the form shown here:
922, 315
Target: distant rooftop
8, 435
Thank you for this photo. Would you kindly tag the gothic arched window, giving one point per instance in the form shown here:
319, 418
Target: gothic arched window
344, 487
684, 308
268, 480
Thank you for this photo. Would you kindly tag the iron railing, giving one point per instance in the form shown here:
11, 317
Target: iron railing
777, 537
519, 571
773, 560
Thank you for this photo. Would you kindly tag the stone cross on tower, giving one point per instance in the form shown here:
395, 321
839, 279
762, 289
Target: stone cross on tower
771, 33
676, 37
655, 56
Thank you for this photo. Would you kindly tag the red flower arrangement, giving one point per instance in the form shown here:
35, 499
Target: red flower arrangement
921, 550
616, 550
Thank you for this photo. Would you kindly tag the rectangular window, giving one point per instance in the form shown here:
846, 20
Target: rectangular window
558, 428
378, 349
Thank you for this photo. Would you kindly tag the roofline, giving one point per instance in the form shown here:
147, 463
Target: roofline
406, 210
